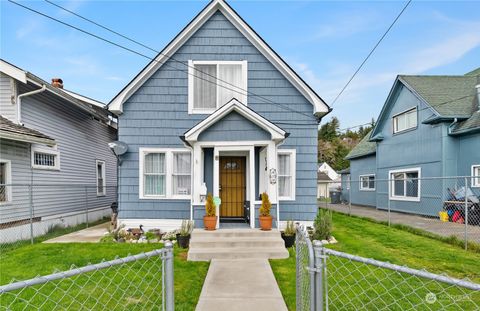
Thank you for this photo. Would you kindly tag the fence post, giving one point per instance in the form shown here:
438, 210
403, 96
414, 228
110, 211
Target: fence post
30, 188
349, 194
326, 195
466, 214
318, 283
388, 202
86, 205
169, 296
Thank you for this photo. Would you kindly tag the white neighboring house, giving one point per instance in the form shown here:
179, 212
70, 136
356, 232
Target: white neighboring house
327, 178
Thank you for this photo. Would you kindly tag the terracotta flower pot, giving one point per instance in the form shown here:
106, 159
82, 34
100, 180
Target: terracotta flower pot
210, 222
265, 223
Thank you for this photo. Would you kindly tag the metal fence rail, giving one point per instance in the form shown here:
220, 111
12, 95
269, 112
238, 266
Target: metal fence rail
347, 282
138, 282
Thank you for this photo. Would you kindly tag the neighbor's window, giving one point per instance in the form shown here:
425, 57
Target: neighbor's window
367, 182
286, 174
165, 173
101, 182
181, 173
405, 185
476, 175
213, 84
45, 158
5, 189
405, 120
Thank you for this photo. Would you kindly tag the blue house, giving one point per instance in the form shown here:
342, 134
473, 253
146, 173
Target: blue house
429, 127
217, 111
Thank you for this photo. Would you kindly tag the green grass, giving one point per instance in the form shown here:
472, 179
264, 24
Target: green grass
368, 239
128, 286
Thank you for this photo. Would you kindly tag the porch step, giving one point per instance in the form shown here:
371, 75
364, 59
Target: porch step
235, 244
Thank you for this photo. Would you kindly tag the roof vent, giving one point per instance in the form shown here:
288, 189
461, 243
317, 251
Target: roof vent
57, 82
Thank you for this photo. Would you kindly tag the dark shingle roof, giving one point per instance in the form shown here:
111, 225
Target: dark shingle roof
344, 171
450, 96
321, 176
363, 148
470, 124
8, 128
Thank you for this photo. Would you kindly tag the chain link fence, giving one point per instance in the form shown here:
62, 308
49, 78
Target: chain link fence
343, 281
138, 282
305, 264
444, 206
33, 212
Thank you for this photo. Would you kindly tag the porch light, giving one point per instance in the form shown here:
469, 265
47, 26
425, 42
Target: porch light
203, 192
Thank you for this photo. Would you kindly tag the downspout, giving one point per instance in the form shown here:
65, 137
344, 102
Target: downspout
19, 101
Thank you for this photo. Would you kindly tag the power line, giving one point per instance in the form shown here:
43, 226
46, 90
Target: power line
156, 51
371, 52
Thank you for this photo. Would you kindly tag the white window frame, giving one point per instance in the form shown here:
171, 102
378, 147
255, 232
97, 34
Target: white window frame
168, 173
191, 75
8, 180
394, 118
361, 188
104, 179
391, 189
44, 149
293, 161
476, 177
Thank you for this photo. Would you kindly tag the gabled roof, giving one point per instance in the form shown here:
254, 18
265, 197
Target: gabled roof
234, 105
12, 131
320, 107
322, 176
363, 148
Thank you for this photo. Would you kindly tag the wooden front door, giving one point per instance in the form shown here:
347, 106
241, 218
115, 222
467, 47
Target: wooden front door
232, 186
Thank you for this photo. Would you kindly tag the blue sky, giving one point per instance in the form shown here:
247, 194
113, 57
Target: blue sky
323, 40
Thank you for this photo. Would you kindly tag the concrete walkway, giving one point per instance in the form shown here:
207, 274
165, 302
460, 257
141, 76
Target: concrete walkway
432, 225
240, 284
89, 235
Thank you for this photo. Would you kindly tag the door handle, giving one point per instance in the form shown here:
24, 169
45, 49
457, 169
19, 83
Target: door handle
219, 187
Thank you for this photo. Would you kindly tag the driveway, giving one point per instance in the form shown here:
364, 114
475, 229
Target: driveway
89, 235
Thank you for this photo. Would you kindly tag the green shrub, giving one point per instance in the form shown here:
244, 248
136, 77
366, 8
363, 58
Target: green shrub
289, 229
322, 225
186, 228
266, 205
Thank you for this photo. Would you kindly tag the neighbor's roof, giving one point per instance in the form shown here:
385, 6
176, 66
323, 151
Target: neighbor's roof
363, 148
320, 107
12, 131
321, 176
449, 96
344, 171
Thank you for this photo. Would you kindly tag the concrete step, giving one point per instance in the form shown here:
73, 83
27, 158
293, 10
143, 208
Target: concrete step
206, 254
235, 233
218, 242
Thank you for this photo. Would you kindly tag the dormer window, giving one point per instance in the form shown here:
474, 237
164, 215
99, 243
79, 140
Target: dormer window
212, 84
405, 121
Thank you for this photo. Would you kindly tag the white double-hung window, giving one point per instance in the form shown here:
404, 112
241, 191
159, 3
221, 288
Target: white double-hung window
286, 174
212, 84
367, 182
405, 120
164, 173
5, 180
476, 175
405, 184
101, 181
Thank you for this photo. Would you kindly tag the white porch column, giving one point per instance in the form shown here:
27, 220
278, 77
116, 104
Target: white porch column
216, 180
271, 163
252, 185
197, 172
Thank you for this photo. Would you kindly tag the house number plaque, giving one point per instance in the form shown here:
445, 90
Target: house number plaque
273, 176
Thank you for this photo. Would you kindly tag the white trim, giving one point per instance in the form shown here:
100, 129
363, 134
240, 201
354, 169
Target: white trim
104, 178
361, 188
277, 133
393, 197
293, 161
475, 180
394, 125
8, 180
168, 173
45, 150
116, 105
241, 95
13, 71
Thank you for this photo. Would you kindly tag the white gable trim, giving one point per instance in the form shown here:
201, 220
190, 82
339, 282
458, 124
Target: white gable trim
277, 133
116, 105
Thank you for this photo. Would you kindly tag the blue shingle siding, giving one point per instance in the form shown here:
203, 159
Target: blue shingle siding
234, 127
156, 115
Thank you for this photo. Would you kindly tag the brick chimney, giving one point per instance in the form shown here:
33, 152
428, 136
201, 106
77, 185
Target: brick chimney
57, 82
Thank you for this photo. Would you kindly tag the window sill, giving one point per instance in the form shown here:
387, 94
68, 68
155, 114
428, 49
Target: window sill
405, 131
286, 198
369, 190
210, 111
164, 198
45, 168
408, 199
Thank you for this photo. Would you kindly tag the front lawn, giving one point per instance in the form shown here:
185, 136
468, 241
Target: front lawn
41, 259
367, 239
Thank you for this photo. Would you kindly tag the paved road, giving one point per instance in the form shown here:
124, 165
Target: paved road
433, 225
240, 284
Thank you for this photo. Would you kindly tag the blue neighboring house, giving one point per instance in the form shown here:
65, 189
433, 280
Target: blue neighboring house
221, 114
429, 126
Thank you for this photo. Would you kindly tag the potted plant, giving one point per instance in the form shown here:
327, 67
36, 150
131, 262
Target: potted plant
183, 237
288, 235
265, 218
210, 218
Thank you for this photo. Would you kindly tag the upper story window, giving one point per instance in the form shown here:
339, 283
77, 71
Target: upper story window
212, 84
45, 158
405, 121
